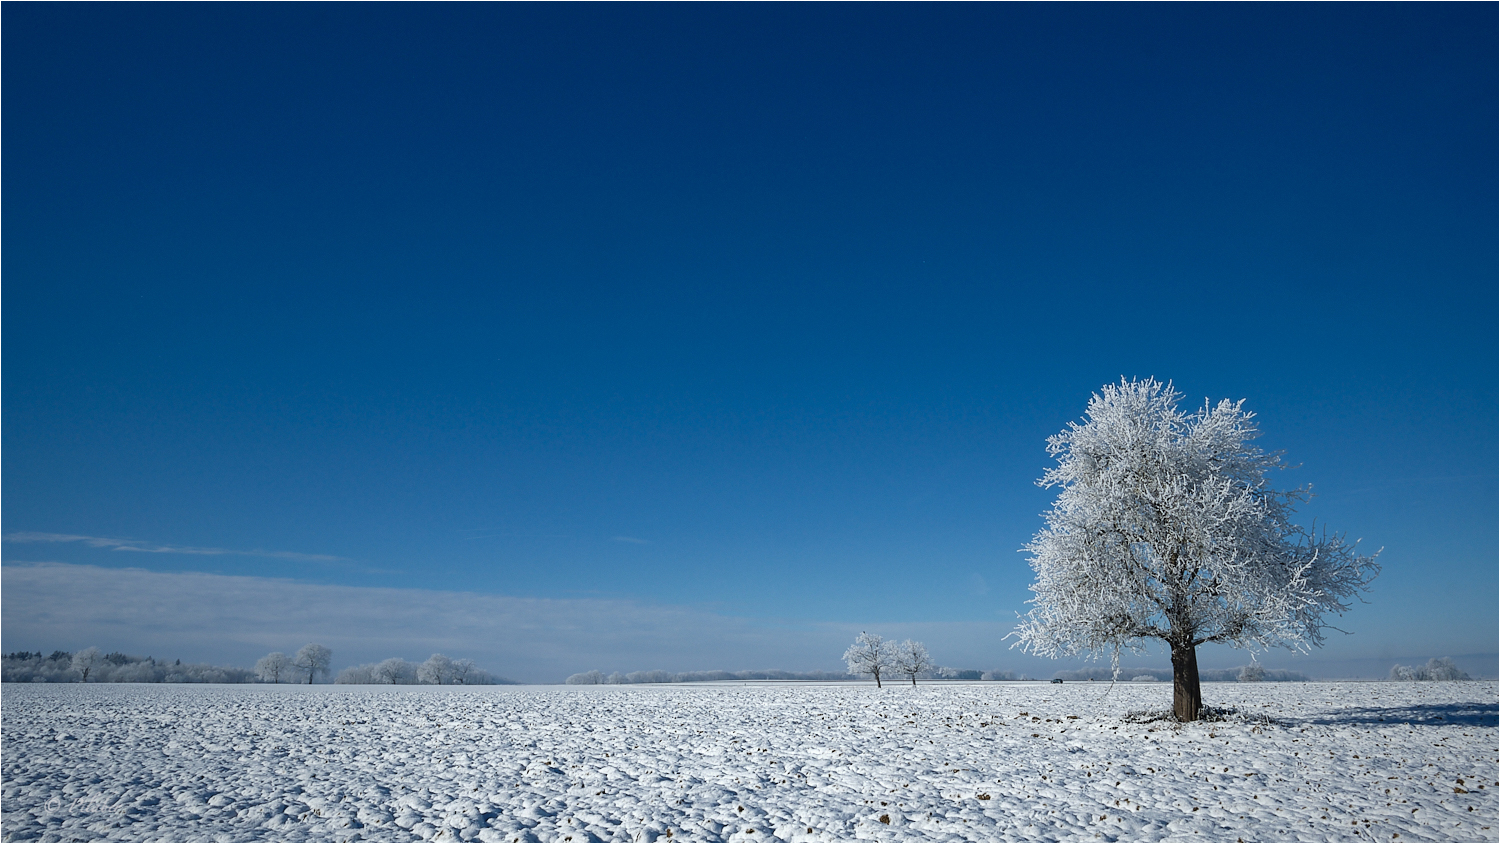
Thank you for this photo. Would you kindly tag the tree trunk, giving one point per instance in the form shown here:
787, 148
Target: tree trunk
913, 681
1187, 695
877, 679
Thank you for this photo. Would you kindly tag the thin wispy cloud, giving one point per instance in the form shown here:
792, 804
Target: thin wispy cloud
228, 618
631, 539
236, 619
157, 548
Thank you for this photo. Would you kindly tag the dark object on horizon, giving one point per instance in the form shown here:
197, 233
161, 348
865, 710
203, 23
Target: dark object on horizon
1057, 680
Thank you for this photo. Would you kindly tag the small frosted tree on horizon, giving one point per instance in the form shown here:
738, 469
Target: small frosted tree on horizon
910, 659
461, 670
314, 659
1165, 527
395, 671
271, 666
86, 660
870, 654
438, 670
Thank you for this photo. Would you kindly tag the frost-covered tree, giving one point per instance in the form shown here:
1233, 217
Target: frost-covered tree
1252, 673
272, 666
396, 671
313, 659
910, 659
86, 661
1165, 527
870, 654
464, 671
1438, 668
438, 670
362, 675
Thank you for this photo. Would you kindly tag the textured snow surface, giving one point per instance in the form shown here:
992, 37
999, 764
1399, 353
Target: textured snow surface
989, 762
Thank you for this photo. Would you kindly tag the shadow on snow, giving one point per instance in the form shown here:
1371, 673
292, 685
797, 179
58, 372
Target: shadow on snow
1475, 714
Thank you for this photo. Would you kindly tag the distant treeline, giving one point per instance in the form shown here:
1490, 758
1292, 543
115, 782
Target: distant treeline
91, 665
599, 678
95, 667
1251, 673
438, 670
1440, 668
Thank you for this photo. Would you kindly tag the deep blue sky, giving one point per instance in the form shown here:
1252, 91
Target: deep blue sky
760, 309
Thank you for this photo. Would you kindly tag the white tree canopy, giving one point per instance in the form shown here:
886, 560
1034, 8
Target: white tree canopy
1438, 668
313, 659
910, 659
1166, 527
461, 670
86, 660
870, 654
273, 666
396, 671
438, 669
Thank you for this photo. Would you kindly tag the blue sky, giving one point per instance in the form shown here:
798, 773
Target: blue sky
756, 313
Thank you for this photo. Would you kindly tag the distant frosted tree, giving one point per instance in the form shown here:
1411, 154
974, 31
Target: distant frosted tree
272, 666
1252, 673
1166, 528
438, 670
463, 671
1443, 668
86, 661
1439, 668
870, 654
314, 659
396, 671
910, 659
586, 678
357, 675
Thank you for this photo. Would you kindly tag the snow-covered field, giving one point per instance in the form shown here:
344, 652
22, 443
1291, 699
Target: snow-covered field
990, 762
